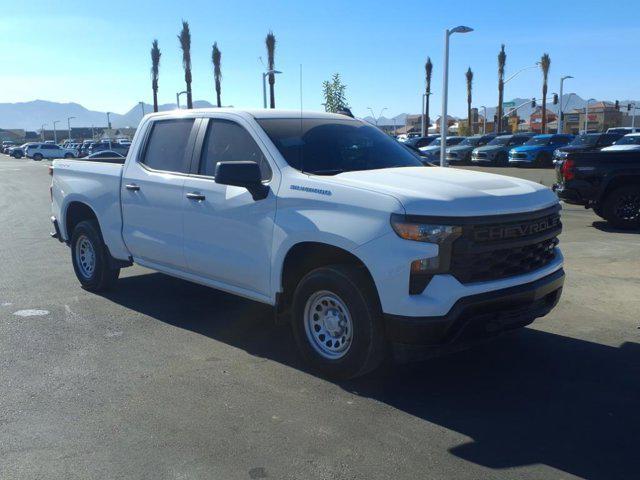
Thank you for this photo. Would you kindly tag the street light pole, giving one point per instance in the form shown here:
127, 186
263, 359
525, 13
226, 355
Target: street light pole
374, 115
424, 112
184, 92
109, 120
142, 107
264, 85
69, 127
445, 88
55, 134
561, 114
484, 120
42, 131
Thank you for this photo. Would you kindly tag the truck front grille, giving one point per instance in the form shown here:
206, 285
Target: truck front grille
501, 249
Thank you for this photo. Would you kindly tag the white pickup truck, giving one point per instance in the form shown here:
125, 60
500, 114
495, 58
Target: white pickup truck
337, 225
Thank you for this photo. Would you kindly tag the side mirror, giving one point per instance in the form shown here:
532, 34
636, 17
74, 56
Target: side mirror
242, 174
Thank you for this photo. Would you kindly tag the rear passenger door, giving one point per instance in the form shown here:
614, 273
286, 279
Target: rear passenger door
228, 234
151, 193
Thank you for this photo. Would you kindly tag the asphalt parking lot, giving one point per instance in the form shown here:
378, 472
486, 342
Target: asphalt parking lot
164, 379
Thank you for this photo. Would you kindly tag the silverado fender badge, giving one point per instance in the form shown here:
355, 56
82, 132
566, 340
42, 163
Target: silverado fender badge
319, 191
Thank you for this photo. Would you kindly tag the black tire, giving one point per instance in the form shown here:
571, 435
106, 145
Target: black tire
502, 160
68, 155
37, 157
368, 346
621, 207
102, 276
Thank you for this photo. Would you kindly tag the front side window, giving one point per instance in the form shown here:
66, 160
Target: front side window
166, 148
227, 141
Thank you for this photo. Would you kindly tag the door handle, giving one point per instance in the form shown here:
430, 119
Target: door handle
132, 186
195, 196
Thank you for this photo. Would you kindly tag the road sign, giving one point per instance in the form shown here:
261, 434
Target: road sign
508, 104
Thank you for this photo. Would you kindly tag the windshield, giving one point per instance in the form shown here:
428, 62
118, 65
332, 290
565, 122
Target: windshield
500, 140
629, 140
328, 146
584, 141
471, 141
539, 141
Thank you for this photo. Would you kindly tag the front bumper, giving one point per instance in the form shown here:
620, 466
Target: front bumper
481, 315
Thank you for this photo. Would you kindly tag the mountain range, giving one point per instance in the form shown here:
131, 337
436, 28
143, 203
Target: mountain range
32, 115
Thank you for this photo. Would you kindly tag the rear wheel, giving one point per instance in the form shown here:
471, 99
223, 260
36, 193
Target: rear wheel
337, 321
621, 207
503, 159
543, 159
90, 258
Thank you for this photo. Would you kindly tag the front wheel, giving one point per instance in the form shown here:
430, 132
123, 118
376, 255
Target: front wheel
90, 258
37, 157
68, 155
621, 207
337, 321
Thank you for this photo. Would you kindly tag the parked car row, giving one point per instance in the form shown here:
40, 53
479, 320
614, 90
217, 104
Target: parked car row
48, 149
519, 149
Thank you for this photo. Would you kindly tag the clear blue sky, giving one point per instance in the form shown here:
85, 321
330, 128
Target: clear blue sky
97, 53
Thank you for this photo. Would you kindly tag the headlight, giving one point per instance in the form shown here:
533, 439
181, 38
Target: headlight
422, 270
424, 232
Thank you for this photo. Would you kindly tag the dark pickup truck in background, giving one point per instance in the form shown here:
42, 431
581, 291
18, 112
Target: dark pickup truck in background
608, 182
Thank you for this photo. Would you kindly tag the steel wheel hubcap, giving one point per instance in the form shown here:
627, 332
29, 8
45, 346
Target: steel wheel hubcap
328, 325
85, 256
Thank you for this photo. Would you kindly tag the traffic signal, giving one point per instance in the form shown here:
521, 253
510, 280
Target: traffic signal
617, 106
555, 98
533, 103
628, 107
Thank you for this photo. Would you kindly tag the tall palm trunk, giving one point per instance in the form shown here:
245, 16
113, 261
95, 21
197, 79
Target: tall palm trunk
185, 45
271, 52
545, 63
502, 60
469, 76
155, 70
216, 57
428, 70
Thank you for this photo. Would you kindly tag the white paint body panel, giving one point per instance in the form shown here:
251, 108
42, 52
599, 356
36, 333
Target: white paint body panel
236, 244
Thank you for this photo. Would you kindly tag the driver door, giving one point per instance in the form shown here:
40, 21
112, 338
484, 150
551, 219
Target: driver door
228, 234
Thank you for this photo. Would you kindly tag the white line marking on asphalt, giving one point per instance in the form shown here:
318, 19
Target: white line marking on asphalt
113, 334
31, 313
6, 304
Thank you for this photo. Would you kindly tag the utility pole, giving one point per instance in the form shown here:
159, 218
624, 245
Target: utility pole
109, 120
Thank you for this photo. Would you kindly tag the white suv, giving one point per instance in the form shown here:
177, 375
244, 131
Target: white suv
38, 151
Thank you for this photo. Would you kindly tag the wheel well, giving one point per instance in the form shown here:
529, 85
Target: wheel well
306, 256
621, 181
76, 213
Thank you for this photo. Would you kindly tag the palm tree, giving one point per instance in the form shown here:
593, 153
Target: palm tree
545, 63
502, 60
185, 45
216, 56
469, 76
155, 70
271, 51
428, 70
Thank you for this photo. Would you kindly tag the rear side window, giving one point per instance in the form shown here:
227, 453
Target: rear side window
166, 147
227, 141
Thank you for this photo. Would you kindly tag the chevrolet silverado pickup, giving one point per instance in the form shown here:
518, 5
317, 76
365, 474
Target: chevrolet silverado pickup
342, 229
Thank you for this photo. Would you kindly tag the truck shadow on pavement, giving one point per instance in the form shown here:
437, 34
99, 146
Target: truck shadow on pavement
528, 398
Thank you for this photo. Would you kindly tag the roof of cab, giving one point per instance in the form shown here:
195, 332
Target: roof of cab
257, 113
